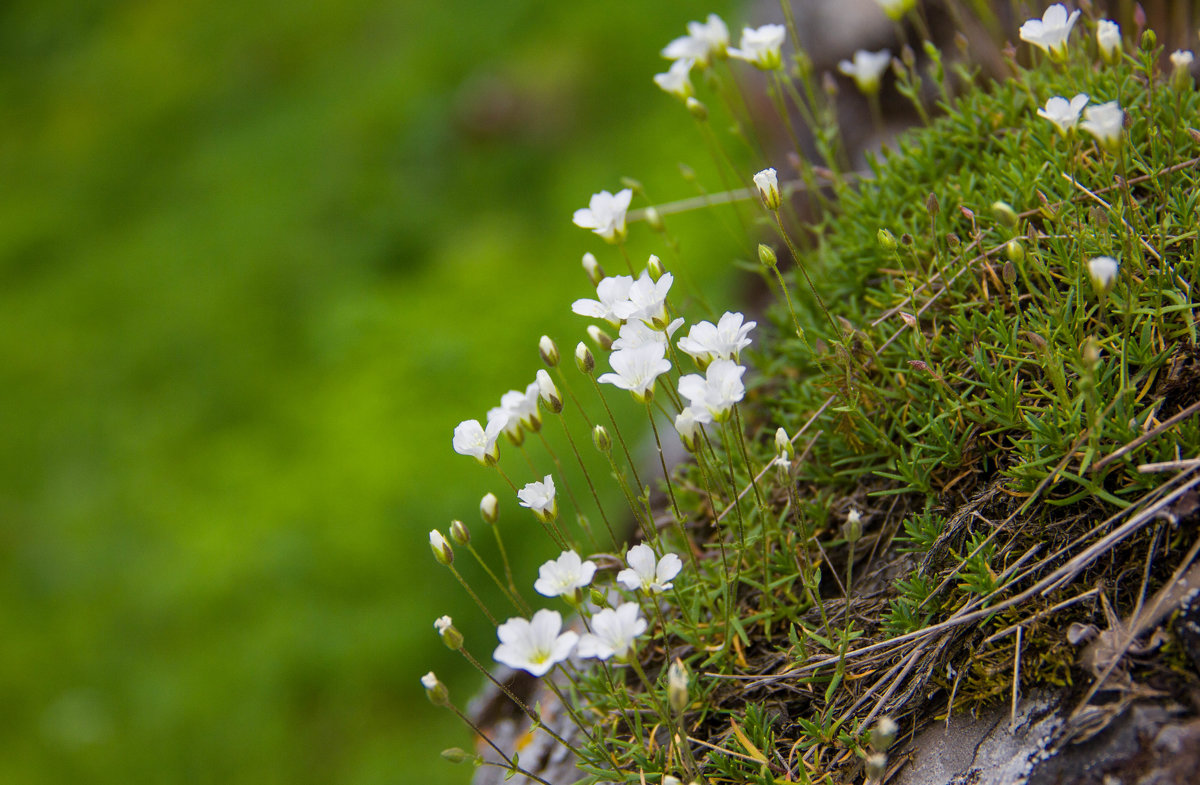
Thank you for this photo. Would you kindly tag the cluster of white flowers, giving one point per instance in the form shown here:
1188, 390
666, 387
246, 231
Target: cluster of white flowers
517, 414
537, 644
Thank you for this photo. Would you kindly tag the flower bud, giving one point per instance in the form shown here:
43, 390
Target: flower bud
458, 755
1009, 272
1091, 352
654, 267
667, 779
489, 508
436, 691
1149, 40
783, 445
654, 219
1103, 270
887, 240
876, 767
441, 548
599, 337
766, 255
584, 360
852, 528
1108, 38
633, 185
598, 598
768, 188
449, 634
1015, 251
549, 351
1004, 214
932, 205
1181, 69
677, 686
459, 534
884, 733
697, 109
548, 392
601, 439
595, 272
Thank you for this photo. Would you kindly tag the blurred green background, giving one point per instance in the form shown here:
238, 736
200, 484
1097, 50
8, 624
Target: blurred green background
256, 261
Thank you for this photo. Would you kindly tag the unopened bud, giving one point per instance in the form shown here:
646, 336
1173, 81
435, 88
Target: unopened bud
548, 392
595, 272
598, 598
829, 85
687, 172
654, 219
458, 755
908, 56
1009, 272
677, 686
459, 533
887, 240
1103, 270
436, 691
599, 337
489, 508
1014, 250
884, 733
1091, 352
1149, 40
876, 767
601, 439
584, 360
697, 108
783, 445
654, 267
549, 351
1004, 214
932, 205
767, 183
441, 548
633, 185
852, 528
1181, 69
667, 779
449, 633
766, 255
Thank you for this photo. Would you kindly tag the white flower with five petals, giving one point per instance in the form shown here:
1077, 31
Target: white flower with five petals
534, 645
724, 340
647, 300
564, 575
605, 214
1063, 113
1104, 121
1051, 31
539, 497
610, 292
705, 40
866, 69
677, 80
648, 573
613, 632
635, 334
1108, 39
762, 47
471, 438
637, 369
713, 395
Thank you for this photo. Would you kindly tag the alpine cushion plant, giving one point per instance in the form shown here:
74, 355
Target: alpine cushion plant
992, 345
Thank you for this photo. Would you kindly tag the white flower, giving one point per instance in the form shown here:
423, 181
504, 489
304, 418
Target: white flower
429, 680
714, 394
647, 573
1108, 38
471, 438
595, 272
564, 575
1051, 31
767, 183
677, 80
761, 47
866, 69
723, 341
613, 632
647, 300
548, 392
688, 426
612, 291
441, 548
605, 214
1063, 113
1104, 122
704, 40
489, 508
442, 624
523, 405
1103, 270
636, 369
784, 452
1182, 58
539, 497
895, 9
535, 645
635, 334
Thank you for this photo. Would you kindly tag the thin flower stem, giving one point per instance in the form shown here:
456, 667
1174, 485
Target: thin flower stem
762, 507
511, 484
528, 460
617, 431
686, 543
704, 471
533, 716
570, 494
514, 598
664, 712
579, 723
512, 586
625, 254
510, 764
737, 504
808, 570
649, 532
591, 486
474, 596
837, 330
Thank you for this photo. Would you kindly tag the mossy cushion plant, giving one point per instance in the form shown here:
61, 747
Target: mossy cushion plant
970, 423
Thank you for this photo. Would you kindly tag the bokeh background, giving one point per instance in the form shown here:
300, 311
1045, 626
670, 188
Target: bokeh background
257, 259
